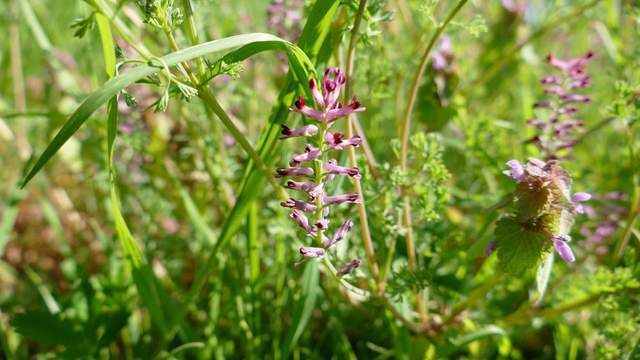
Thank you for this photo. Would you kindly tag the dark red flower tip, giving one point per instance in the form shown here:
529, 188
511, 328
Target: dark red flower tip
290, 184
312, 84
354, 104
337, 137
285, 130
299, 103
589, 54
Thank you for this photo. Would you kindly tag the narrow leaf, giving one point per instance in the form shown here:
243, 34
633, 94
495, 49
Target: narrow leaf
542, 277
118, 83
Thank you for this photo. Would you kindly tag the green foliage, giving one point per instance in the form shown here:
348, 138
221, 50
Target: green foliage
152, 233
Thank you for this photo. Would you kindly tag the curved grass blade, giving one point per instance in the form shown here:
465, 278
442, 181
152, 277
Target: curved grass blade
118, 83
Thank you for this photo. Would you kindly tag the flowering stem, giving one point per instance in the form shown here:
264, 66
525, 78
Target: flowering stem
406, 128
319, 175
509, 54
362, 210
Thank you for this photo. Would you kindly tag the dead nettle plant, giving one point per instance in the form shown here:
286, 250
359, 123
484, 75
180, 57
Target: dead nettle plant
543, 206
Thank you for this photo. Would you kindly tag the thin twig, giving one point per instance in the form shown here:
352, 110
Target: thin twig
362, 210
406, 129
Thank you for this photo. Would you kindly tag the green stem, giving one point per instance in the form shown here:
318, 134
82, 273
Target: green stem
406, 129
362, 210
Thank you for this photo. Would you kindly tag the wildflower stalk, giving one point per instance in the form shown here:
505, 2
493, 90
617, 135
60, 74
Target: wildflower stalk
362, 210
511, 53
406, 128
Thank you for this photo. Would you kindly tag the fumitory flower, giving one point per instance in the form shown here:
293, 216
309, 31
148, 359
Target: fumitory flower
556, 132
313, 170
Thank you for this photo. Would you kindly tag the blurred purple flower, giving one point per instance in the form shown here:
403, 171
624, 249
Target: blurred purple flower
557, 132
348, 267
326, 111
560, 243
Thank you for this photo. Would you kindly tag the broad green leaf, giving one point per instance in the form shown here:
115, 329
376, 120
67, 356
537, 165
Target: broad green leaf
519, 249
118, 83
48, 329
111, 324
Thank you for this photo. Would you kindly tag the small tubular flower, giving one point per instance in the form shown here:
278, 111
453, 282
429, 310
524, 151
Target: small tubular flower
310, 153
561, 245
308, 130
297, 204
311, 252
332, 167
348, 267
294, 171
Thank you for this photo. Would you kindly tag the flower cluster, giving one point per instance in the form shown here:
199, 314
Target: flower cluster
557, 132
311, 171
443, 56
609, 216
544, 202
284, 17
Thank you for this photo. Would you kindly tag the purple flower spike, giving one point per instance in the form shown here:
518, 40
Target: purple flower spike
294, 171
516, 170
331, 167
556, 135
353, 198
560, 243
340, 233
311, 252
297, 204
308, 130
348, 267
327, 109
310, 153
